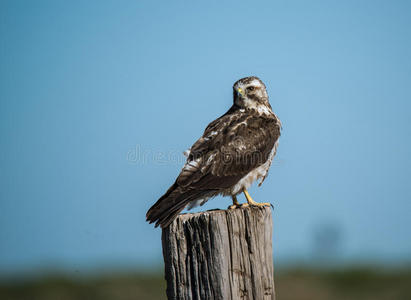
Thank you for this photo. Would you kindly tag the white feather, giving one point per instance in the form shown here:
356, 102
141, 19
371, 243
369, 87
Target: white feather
192, 165
187, 152
197, 202
258, 173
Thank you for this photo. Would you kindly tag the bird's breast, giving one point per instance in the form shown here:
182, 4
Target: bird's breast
258, 173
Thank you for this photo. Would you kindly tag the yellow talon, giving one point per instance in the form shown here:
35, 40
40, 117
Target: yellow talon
235, 203
251, 202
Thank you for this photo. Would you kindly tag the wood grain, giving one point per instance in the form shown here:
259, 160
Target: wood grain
220, 254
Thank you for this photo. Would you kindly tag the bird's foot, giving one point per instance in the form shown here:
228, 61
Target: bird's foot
235, 203
251, 202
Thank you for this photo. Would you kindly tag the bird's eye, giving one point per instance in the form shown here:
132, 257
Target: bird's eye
250, 88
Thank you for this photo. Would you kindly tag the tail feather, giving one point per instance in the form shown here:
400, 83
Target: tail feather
155, 211
166, 209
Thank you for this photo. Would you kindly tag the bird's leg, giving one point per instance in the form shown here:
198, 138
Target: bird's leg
235, 203
251, 202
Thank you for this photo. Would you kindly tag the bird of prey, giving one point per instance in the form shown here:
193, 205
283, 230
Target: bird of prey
235, 150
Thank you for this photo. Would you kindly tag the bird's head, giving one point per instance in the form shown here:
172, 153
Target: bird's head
250, 92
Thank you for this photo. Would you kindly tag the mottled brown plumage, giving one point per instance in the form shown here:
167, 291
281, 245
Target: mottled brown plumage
235, 150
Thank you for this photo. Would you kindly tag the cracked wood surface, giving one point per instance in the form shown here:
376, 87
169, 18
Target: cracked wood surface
220, 254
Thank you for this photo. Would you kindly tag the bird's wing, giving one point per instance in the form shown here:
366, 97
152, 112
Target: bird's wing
229, 149
231, 146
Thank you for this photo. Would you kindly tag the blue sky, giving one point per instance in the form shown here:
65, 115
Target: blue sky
100, 98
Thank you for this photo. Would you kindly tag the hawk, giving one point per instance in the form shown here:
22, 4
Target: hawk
235, 150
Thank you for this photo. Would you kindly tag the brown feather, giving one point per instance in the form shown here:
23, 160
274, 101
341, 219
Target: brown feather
231, 147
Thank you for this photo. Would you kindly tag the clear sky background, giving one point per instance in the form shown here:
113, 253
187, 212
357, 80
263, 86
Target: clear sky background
100, 98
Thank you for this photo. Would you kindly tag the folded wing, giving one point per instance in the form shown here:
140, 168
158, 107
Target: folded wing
231, 147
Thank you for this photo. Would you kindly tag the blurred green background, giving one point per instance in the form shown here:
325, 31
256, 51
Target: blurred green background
363, 283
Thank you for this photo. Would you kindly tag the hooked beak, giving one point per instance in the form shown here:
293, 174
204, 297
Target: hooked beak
240, 92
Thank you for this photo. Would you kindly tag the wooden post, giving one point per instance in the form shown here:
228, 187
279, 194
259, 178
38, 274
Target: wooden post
220, 254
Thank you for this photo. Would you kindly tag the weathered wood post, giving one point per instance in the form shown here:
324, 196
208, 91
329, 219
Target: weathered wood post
220, 254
